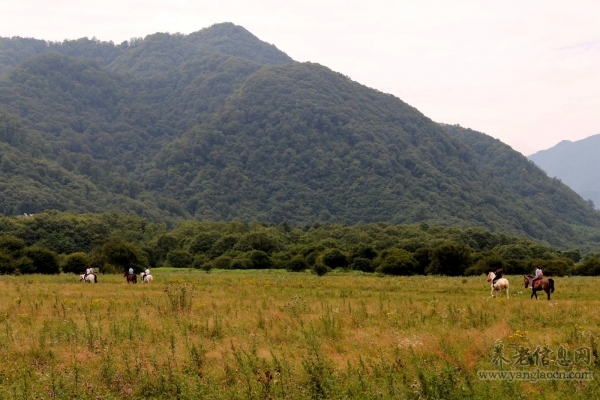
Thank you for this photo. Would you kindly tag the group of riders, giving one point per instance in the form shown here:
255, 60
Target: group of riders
144, 274
90, 271
538, 276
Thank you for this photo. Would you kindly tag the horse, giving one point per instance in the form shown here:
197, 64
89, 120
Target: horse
545, 284
89, 279
501, 284
131, 278
146, 278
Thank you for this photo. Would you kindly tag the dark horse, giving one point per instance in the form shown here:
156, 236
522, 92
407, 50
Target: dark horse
545, 284
130, 277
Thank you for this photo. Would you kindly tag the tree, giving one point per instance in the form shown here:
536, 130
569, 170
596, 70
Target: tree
450, 259
179, 259
76, 263
122, 256
396, 262
334, 258
297, 264
44, 261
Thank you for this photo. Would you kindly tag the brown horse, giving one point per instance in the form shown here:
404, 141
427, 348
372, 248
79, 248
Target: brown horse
545, 284
131, 278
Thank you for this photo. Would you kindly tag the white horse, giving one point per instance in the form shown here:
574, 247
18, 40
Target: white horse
88, 279
146, 279
500, 285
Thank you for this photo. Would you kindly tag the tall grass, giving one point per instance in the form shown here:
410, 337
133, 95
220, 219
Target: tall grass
274, 335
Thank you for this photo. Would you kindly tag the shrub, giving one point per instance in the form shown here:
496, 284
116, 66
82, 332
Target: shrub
260, 260
76, 263
179, 259
334, 258
423, 257
450, 259
6, 264
240, 263
396, 262
203, 242
199, 261
119, 256
297, 264
221, 262
256, 241
320, 269
11, 245
589, 267
362, 264
44, 261
222, 245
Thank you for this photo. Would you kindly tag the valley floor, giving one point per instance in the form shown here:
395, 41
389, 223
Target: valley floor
280, 335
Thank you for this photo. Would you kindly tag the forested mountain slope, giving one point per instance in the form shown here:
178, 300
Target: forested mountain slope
220, 125
576, 164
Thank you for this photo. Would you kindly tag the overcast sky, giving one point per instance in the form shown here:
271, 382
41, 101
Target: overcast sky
524, 71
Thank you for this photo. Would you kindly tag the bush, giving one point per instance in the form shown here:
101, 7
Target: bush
485, 265
76, 263
199, 261
44, 261
11, 245
203, 242
241, 263
120, 256
256, 241
450, 259
397, 262
555, 267
589, 267
320, 269
334, 258
222, 262
297, 264
260, 260
362, 251
362, 264
179, 259
423, 257
222, 245
6, 264
517, 267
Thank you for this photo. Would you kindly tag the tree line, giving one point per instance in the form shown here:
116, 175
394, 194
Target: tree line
54, 242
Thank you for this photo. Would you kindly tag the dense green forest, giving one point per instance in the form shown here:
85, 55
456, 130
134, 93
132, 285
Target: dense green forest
219, 125
50, 242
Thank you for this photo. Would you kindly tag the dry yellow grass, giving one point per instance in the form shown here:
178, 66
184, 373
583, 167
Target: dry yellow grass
272, 334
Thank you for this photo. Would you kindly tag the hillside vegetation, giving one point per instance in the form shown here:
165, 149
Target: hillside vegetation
219, 125
576, 164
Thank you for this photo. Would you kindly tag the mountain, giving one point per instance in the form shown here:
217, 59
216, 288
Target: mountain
576, 164
220, 125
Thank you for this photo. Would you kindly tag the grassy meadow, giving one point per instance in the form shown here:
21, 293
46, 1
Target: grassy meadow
280, 335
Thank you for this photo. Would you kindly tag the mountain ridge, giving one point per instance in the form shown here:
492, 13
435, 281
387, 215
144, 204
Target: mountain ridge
214, 134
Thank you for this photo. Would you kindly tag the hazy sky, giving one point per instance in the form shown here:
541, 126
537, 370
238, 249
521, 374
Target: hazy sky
524, 71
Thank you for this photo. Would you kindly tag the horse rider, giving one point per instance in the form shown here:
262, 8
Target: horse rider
130, 271
145, 274
538, 276
499, 272
88, 271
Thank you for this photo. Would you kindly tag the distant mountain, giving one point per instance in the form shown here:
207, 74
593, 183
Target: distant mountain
219, 125
576, 164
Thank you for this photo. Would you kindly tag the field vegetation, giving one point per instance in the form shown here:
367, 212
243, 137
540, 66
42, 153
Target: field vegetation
273, 334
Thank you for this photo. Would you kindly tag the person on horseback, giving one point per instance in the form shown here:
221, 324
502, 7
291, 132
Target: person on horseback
145, 274
130, 271
538, 276
499, 272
